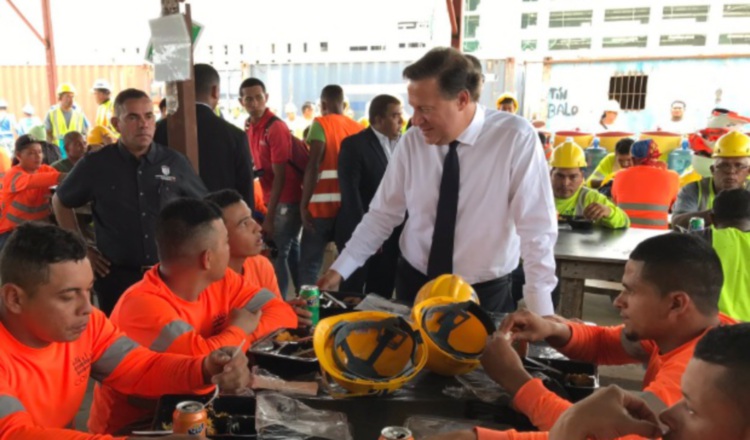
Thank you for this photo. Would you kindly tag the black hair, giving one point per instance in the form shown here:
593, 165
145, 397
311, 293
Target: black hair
181, 224
205, 77
727, 346
127, 95
224, 198
252, 82
623, 146
24, 142
682, 262
332, 93
508, 101
454, 72
32, 248
379, 106
732, 205
70, 137
307, 105
163, 105
476, 93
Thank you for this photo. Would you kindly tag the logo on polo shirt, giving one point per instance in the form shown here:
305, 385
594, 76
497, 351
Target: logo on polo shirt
82, 365
165, 171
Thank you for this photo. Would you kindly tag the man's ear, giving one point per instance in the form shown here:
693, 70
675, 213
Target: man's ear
206, 259
680, 302
13, 297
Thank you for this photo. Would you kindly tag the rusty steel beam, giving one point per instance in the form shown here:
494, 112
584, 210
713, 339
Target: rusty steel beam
456, 16
26, 21
49, 47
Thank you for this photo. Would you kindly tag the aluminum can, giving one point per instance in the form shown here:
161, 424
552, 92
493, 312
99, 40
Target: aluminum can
697, 224
311, 295
190, 418
395, 433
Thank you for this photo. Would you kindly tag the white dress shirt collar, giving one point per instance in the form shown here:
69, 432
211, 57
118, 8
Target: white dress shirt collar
388, 144
471, 133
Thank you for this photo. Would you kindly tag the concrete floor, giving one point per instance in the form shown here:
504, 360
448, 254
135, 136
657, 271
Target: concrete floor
596, 308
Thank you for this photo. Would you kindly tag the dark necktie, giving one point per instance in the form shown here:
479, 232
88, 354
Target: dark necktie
441, 252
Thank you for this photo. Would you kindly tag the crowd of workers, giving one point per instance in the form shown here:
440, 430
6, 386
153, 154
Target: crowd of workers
176, 256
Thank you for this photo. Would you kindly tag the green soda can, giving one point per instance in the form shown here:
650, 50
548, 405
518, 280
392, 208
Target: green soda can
311, 295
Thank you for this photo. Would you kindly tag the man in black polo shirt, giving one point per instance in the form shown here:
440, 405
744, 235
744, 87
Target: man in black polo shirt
127, 184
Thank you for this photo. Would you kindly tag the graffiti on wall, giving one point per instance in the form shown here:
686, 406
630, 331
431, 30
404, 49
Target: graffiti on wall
559, 105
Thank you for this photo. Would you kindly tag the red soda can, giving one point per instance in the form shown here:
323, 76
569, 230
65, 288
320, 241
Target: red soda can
395, 433
190, 418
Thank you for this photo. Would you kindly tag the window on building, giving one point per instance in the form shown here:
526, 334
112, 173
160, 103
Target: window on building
528, 45
407, 25
560, 19
324, 47
471, 46
682, 40
629, 90
471, 5
357, 48
734, 39
698, 13
304, 47
416, 45
471, 23
377, 47
289, 48
570, 43
273, 48
737, 10
528, 19
627, 14
529, 1
401, 45
614, 42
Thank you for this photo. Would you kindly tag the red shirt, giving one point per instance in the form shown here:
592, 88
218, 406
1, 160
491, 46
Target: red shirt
277, 150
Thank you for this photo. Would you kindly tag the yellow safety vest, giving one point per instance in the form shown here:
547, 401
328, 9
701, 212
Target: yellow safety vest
59, 129
104, 114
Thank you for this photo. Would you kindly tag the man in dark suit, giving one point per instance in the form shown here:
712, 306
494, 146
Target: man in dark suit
362, 163
223, 151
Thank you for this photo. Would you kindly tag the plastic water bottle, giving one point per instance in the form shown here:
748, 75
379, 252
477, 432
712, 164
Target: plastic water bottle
681, 158
594, 155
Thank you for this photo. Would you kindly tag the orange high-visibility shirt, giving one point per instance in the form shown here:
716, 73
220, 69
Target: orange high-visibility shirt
151, 314
646, 194
260, 204
604, 346
26, 196
259, 271
41, 389
326, 198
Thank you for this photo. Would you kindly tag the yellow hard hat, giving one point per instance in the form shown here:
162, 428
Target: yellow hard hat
732, 144
451, 286
503, 97
368, 353
96, 135
454, 332
568, 155
65, 88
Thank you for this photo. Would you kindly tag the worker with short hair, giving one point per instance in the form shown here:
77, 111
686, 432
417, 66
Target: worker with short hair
730, 171
612, 163
646, 190
105, 106
53, 341
64, 117
572, 198
190, 303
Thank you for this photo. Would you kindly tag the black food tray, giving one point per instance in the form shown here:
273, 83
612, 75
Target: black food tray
574, 392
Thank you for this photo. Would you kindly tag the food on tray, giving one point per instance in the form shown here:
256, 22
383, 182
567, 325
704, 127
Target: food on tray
580, 380
286, 336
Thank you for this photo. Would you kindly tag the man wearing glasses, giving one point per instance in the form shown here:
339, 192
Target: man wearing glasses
729, 171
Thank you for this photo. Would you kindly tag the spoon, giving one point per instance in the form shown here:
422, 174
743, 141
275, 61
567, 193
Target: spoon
237, 351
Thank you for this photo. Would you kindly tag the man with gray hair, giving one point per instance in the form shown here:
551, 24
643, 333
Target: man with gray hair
128, 183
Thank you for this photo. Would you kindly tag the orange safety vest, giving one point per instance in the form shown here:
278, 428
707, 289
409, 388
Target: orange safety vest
326, 198
25, 196
646, 194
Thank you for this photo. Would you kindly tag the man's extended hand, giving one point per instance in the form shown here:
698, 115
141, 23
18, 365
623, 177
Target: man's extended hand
227, 369
597, 211
98, 262
330, 280
300, 308
502, 364
607, 414
531, 327
307, 219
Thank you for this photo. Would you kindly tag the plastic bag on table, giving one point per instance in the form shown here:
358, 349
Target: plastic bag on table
263, 379
280, 417
425, 426
380, 304
484, 388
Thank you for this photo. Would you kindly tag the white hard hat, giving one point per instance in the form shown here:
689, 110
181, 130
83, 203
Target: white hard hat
290, 108
101, 84
28, 109
612, 106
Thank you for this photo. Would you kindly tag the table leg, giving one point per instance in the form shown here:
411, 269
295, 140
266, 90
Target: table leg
571, 297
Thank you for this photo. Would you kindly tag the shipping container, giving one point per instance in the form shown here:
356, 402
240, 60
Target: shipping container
23, 85
571, 94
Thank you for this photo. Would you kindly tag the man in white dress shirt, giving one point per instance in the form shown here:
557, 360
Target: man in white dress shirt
477, 189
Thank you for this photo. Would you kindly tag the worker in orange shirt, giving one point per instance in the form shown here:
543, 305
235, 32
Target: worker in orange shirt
190, 303
670, 300
647, 190
52, 340
26, 188
245, 241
